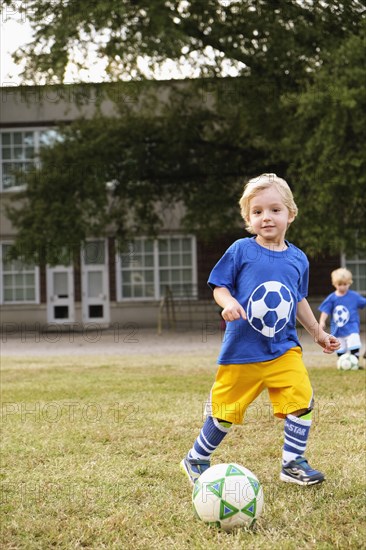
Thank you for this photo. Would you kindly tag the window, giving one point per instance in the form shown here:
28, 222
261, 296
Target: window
176, 266
138, 270
19, 152
147, 268
19, 280
357, 266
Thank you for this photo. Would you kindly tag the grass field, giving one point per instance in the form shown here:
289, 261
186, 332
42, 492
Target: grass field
91, 447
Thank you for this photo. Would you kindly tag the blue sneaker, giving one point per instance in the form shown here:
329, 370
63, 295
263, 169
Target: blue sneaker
193, 468
298, 471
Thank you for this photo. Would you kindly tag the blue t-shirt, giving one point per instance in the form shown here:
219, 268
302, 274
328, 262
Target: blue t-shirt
343, 310
268, 285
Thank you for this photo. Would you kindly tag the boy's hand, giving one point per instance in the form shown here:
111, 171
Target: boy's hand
328, 342
233, 311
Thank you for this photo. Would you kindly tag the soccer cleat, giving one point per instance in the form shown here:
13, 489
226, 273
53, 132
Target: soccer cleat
298, 471
193, 468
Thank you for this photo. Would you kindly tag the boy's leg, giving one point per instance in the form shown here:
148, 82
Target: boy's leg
344, 346
295, 467
296, 434
354, 344
210, 437
234, 389
292, 399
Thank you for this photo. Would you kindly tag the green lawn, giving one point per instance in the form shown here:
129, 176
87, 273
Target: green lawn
91, 447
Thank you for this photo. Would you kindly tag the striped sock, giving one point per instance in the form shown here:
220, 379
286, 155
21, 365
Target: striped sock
210, 437
296, 436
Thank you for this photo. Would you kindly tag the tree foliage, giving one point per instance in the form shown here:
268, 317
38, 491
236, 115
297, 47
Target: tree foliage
296, 107
120, 175
273, 38
326, 142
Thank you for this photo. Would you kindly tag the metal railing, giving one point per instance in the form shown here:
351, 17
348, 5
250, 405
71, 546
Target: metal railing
182, 307
166, 305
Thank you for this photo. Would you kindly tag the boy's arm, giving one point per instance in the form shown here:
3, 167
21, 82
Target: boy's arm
306, 317
232, 310
322, 319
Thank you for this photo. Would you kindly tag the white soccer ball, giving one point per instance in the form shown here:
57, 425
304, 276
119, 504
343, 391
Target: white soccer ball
347, 361
229, 496
269, 308
340, 316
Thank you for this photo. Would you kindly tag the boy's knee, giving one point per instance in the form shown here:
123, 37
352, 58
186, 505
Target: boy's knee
224, 423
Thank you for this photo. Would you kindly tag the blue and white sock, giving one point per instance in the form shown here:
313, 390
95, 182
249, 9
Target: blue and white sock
296, 436
210, 437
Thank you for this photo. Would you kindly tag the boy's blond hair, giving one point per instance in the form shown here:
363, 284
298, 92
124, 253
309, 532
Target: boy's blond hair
341, 275
255, 185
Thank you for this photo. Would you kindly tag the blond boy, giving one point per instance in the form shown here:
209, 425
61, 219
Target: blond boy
342, 306
261, 285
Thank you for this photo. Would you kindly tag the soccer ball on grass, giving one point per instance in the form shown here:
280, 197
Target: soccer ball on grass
229, 496
347, 361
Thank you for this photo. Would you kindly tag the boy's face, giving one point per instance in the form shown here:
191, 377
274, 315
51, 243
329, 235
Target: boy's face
342, 287
269, 217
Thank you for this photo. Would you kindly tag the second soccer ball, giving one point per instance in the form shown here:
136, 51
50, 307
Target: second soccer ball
347, 361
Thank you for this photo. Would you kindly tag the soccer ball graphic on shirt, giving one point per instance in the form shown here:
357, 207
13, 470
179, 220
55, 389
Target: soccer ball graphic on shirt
340, 316
269, 308
229, 496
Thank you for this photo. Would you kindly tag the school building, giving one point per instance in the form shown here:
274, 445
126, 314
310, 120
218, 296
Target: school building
155, 280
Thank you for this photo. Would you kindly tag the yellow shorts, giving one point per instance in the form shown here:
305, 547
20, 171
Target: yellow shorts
237, 386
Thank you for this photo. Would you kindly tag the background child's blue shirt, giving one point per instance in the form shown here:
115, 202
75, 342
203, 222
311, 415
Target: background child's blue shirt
268, 285
343, 310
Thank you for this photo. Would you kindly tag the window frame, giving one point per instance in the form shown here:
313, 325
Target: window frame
155, 268
3, 272
353, 265
36, 130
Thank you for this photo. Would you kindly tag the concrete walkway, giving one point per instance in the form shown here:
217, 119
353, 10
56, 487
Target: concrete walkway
128, 339
124, 340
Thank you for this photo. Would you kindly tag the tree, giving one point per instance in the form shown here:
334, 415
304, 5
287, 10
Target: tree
272, 39
118, 176
326, 141
199, 151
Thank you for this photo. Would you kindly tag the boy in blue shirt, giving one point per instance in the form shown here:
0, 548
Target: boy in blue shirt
343, 305
261, 284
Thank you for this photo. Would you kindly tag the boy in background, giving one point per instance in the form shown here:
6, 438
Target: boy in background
343, 305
